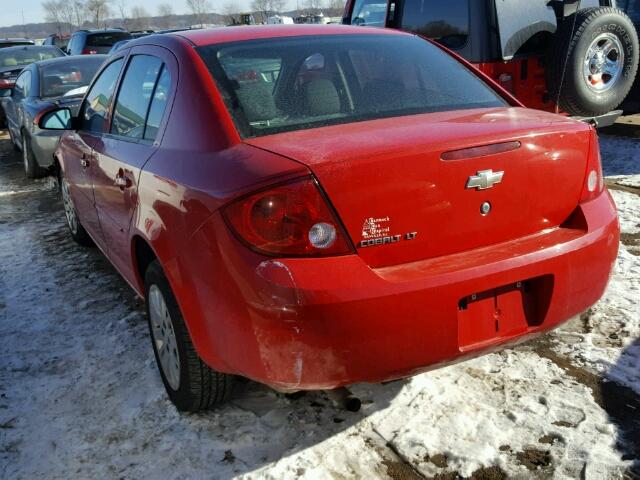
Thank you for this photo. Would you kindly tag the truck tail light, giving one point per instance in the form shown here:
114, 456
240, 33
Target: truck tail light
89, 51
290, 219
593, 180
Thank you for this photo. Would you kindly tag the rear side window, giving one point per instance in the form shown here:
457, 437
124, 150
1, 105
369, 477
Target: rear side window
106, 39
158, 104
98, 100
136, 90
336, 79
445, 21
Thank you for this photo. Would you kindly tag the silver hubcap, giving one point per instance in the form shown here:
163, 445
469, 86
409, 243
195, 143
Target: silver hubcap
164, 337
603, 62
69, 209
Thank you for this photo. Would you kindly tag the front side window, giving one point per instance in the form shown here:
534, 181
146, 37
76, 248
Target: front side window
133, 101
98, 100
444, 21
334, 79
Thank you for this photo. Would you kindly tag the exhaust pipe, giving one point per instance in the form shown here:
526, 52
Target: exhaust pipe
342, 397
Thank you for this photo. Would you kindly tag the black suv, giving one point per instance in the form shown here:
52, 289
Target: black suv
85, 42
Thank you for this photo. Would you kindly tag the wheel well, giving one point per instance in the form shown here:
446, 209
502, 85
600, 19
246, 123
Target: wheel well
143, 255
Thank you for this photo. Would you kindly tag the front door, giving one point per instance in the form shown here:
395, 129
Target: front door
137, 113
78, 158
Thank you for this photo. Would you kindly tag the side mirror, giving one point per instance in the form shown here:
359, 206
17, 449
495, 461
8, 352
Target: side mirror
6, 92
56, 119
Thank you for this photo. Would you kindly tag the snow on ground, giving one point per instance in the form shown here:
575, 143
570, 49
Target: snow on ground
80, 396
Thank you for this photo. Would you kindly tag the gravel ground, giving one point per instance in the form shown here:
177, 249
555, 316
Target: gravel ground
80, 396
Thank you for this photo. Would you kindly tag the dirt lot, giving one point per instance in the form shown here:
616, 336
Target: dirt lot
80, 396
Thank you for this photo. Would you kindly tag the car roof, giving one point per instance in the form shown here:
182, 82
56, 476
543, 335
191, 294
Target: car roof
29, 47
69, 59
16, 39
210, 36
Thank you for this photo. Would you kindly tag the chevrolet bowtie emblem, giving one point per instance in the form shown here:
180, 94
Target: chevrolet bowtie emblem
484, 179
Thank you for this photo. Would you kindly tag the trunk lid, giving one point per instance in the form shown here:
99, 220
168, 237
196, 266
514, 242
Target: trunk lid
393, 190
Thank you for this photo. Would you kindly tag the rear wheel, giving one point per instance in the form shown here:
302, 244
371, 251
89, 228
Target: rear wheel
78, 233
190, 384
31, 167
599, 47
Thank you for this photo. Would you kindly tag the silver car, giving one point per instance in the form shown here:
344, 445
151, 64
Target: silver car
40, 86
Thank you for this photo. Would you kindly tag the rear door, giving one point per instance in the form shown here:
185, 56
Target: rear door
137, 118
79, 161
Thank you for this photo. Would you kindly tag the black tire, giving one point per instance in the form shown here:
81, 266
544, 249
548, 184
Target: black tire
200, 387
31, 167
576, 95
78, 232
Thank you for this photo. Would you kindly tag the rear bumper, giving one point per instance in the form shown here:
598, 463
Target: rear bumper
322, 323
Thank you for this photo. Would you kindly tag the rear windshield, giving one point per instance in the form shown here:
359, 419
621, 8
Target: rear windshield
286, 84
106, 39
20, 56
57, 79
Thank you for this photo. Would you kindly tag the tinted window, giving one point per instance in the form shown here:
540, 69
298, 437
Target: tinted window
135, 95
106, 39
158, 104
57, 79
341, 79
98, 100
445, 21
22, 56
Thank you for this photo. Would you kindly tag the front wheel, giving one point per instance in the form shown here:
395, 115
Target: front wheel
191, 385
31, 167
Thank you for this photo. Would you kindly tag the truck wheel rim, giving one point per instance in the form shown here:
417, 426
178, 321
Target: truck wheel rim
164, 337
603, 62
69, 209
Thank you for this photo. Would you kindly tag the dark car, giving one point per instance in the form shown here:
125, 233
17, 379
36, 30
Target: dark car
339, 205
43, 85
14, 59
577, 57
14, 42
87, 42
60, 41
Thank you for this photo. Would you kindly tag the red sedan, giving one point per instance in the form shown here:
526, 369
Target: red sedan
312, 206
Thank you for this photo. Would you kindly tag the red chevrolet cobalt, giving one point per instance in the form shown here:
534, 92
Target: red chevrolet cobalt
313, 206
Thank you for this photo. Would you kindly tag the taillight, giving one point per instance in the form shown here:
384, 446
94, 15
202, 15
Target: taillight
5, 83
593, 180
88, 51
291, 219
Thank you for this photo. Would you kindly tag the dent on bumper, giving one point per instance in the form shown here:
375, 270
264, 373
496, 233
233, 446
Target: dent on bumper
321, 323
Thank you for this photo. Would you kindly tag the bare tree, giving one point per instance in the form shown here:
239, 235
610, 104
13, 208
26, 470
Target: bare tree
139, 18
165, 11
261, 6
313, 5
52, 13
199, 9
336, 7
279, 5
71, 12
121, 5
230, 11
98, 11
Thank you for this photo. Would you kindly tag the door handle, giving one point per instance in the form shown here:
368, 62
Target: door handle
122, 182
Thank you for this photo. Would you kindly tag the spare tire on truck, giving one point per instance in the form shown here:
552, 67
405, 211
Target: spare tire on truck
592, 62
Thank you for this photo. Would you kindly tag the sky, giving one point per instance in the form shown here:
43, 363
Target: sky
13, 10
